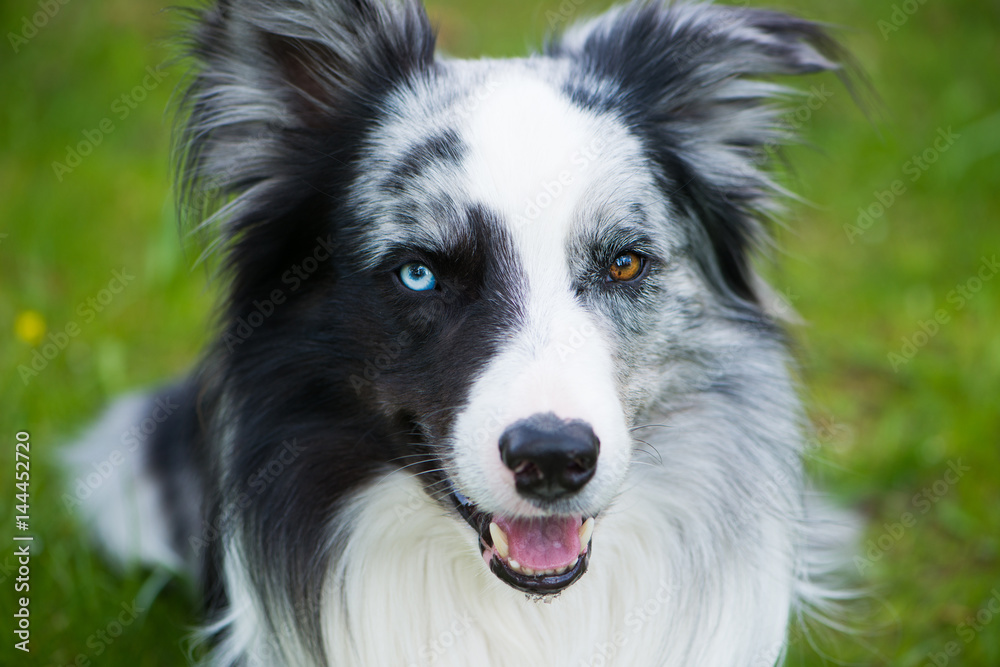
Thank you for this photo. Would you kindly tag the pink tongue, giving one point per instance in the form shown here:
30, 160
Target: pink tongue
542, 544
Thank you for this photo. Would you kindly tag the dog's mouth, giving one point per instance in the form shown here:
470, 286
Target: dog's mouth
539, 556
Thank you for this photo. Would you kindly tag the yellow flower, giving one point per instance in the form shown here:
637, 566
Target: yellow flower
29, 326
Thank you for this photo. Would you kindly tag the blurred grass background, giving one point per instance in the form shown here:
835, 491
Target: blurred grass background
886, 437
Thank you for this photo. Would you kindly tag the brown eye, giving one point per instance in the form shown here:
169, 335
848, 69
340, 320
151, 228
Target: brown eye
625, 267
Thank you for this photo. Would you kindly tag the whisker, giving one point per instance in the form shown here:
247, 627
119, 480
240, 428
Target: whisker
652, 451
636, 428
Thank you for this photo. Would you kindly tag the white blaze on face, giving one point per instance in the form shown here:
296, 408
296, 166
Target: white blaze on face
534, 158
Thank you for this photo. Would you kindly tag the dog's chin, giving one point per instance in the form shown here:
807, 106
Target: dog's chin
538, 556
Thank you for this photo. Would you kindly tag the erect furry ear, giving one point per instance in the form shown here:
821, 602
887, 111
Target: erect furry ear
682, 75
272, 74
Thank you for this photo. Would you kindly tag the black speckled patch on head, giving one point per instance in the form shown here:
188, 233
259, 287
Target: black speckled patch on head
444, 148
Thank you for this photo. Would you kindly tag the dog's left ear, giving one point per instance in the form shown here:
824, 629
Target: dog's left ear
685, 78
273, 77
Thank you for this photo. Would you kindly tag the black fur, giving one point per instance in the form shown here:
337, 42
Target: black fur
444, 148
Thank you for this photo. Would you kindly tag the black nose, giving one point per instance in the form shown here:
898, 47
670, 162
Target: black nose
550, 457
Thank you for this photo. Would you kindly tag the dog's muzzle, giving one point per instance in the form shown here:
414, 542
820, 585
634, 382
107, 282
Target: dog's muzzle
551, 460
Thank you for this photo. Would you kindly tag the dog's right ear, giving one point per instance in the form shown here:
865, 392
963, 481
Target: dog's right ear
266, 70
694, 81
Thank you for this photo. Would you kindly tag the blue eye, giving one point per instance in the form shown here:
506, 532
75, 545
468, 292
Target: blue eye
417, 277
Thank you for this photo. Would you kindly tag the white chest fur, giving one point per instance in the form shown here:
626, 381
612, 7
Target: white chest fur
411, 590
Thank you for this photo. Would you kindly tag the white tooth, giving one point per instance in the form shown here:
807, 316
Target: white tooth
528, 571
573, 564
514, 565
499, 540
586, 531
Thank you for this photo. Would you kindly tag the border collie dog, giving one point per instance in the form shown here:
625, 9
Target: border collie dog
496, 382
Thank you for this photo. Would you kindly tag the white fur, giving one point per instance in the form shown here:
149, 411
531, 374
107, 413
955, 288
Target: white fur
124, 506
635, 607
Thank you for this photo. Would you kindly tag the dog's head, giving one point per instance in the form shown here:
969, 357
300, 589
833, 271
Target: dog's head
515, 257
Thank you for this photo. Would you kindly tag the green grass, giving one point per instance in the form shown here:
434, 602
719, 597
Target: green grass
885, 435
